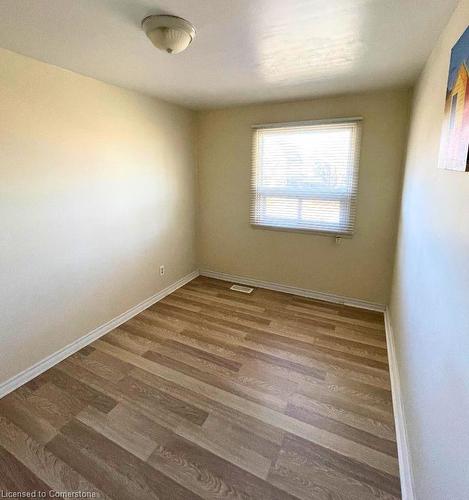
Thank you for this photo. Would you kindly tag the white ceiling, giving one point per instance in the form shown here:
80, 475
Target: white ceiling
245, 50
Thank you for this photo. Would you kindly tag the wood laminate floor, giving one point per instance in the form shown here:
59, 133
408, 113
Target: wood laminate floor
211, 394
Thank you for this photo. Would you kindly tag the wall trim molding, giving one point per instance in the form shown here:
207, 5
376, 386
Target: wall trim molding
48, 362
405, 464
302, 292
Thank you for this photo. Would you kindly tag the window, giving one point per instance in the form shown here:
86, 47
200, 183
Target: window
304, 175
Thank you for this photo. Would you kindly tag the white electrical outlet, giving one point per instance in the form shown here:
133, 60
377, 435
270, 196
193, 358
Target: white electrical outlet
161, 270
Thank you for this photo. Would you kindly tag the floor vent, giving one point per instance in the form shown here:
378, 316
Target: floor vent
242, 289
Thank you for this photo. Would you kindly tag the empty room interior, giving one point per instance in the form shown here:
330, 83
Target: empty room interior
234, 249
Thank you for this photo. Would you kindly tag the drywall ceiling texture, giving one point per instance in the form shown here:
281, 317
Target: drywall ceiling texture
245, 50
430, 297
97, 190
360, 267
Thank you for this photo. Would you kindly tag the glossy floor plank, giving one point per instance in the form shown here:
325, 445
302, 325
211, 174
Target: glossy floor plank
211, 393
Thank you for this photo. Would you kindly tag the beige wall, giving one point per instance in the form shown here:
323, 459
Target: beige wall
360, 267
430, 295
96, 191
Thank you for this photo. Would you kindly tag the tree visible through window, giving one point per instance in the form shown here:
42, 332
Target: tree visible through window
305, 176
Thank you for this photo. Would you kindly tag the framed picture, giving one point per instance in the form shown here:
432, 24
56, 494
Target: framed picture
455, 132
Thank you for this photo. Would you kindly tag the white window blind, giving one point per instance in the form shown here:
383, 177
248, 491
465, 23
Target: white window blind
305, 175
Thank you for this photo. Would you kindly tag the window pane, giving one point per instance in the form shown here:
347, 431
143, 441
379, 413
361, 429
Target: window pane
322, 211
281, 208
302, 159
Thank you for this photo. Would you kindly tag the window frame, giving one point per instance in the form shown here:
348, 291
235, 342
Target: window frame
348, 202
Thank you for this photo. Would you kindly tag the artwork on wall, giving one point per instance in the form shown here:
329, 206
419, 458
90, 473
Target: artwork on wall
454, 147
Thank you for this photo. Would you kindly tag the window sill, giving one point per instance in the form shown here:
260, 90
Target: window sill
313, 232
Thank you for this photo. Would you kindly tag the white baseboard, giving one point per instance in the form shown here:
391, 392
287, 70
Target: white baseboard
40, 367
405, 464
303, 292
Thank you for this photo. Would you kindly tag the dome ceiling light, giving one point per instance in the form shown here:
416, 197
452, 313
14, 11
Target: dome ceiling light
169, 33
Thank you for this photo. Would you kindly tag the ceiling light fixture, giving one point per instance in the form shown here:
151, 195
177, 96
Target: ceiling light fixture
169, 33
